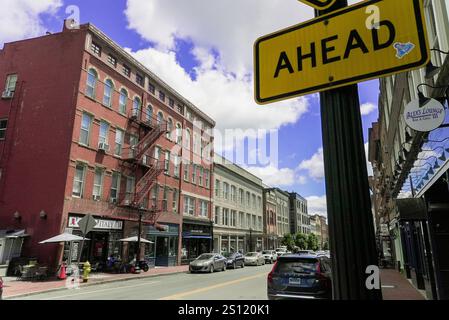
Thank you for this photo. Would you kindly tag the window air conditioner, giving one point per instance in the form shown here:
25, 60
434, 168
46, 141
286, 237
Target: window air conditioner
96, 197
103, 146
7, 94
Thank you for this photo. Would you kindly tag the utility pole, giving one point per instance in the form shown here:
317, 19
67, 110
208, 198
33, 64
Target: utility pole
351, 230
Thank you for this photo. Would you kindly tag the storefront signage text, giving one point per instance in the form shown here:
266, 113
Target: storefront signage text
102, 224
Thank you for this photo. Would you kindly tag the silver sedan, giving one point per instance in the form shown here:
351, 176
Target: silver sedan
208, 262
254, 258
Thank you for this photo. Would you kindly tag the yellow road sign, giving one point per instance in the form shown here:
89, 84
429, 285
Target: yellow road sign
319, 4
340, 48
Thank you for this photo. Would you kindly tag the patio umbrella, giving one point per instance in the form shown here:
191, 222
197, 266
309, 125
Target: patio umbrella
64, 237
134, 239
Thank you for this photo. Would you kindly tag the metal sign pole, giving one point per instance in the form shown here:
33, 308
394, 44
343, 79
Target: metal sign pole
351, 228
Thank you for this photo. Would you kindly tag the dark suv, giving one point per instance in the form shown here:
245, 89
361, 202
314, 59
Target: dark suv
297, 276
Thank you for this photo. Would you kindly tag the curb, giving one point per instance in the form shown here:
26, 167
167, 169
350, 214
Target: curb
93, 284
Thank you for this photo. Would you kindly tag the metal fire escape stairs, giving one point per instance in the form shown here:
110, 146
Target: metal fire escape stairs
137, 156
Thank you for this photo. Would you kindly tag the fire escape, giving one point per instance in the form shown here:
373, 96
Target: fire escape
138, 159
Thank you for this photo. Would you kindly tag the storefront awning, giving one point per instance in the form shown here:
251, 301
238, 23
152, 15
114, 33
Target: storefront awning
12, 234
197, 237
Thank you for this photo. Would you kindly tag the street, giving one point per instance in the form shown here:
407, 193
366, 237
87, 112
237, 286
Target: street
248, 283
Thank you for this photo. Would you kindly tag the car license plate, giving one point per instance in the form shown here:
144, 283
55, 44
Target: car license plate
294, 281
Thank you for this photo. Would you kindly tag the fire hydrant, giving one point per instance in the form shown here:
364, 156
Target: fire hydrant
86, 271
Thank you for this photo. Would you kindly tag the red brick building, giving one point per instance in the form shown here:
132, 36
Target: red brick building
87, 129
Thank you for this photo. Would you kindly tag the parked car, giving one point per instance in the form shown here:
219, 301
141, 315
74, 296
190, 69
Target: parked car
310, 252
208, 262
270, 256
254, 258
234, 260
299, 276
280, 251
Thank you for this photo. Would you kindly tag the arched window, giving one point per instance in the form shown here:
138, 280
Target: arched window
149, 113
187, 142
123, 101
136, 106
91, 85
178, 133
160, 117
108, 91
169, 129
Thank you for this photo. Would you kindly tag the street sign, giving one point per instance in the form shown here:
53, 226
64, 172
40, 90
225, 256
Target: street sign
344, 47
87, 224
319, 4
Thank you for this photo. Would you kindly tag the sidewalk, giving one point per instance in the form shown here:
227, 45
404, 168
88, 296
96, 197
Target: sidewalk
16, 288
396, 287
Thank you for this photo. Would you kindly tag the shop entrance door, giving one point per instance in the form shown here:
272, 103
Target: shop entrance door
162, 251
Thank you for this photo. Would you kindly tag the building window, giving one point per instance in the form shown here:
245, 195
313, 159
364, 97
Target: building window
161, 96
91, 85
207, 178
123, 101
217, 188
78, 181
133, 141
151, 88
194, 169
167, 162
187, 141
169, 133
108, 92
200, 176
112, 60
217, 215
119, 139
104, 130
225, 217
130, 184
95, 48
175, 200
241, 197
180, 109
140, 79
186, 171
11, 81
248, 199
171, 102
160, 118
226, 190
98, 183
149, 113
165, 200
233, 193
3, 126
189, 205
176, 166
86, 123
115, 186
136, 106
203, 208
126, 70
233, 218
178, 134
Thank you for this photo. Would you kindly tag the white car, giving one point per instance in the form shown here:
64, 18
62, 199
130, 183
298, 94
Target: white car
280, 251
254, 258
270, 256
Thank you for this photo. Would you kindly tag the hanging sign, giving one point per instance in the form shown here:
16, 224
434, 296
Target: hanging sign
424, 118
319, 4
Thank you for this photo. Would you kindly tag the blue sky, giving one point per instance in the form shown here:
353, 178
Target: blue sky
205, 52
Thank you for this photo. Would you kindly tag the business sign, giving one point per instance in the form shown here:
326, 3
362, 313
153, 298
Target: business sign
319, 4
101, 224
424, 118
344, 47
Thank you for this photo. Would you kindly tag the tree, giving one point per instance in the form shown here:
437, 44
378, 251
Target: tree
301, 241
288, 241
312, 242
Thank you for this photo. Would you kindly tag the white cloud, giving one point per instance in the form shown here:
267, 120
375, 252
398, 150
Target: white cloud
367, 108
230, 27
273, 176
317, 205
226, 97
314, 165
20, 19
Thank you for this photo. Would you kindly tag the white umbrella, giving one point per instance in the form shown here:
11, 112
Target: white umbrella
64, 237
134, 239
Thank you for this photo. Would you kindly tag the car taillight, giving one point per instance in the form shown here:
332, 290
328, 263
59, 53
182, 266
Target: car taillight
270, 275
